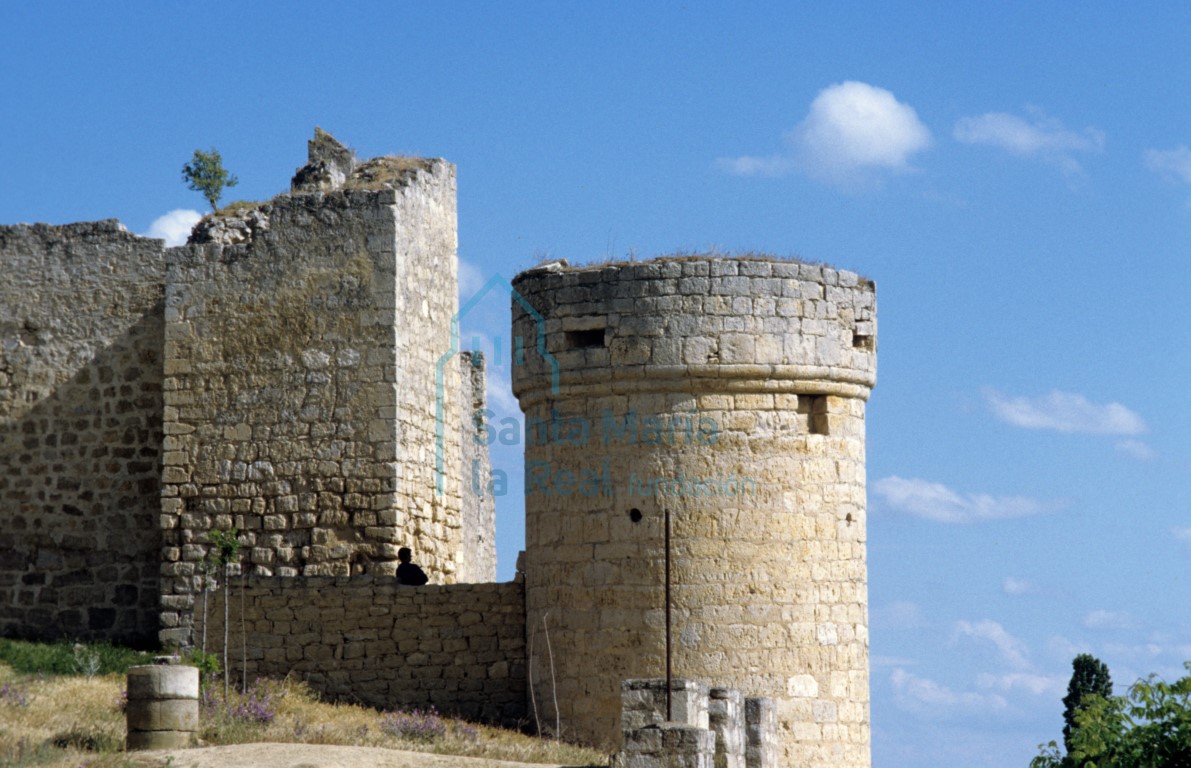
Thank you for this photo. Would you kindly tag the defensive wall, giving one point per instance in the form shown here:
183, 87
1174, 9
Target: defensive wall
300, 384
81, 344
277, 375
457, 647
729, 392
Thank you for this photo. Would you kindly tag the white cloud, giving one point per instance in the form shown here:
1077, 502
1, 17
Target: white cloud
1038, 685
1137, 449
925, 696
174, 227
1014, 586
1065, 412
1063, 648
1183, 534
1012, 650
1174, 163
1039, 136
851, 128
935, 501
1108, 620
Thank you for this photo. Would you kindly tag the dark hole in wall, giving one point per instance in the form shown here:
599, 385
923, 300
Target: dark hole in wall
593, 337
815, 408
862, 341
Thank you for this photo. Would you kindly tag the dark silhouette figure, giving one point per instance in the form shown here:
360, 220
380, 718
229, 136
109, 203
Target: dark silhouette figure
407, 573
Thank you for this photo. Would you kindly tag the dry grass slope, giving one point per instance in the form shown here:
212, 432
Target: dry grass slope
77, 721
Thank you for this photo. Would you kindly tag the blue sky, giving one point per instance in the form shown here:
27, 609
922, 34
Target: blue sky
1016, 177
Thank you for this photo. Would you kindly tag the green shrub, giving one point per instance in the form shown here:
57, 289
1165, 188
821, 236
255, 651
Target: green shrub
62, 658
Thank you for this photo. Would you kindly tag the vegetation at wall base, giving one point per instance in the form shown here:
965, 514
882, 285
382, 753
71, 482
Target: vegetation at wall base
53, 715
69, 658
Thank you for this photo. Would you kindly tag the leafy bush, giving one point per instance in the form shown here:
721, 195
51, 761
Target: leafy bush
207, 663
1148, 727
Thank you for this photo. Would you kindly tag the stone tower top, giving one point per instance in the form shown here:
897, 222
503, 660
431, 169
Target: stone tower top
782, 325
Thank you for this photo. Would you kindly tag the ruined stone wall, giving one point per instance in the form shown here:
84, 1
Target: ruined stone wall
301, 387
731, 393
478, 540
80, 431
459, 647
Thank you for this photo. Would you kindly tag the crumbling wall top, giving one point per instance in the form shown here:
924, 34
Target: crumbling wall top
329, 178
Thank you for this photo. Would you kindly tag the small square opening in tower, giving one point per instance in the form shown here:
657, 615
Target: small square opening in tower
814, 407
863, 341
586, 339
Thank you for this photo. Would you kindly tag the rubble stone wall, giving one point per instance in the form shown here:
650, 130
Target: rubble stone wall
303, 389
458, 647
80, 431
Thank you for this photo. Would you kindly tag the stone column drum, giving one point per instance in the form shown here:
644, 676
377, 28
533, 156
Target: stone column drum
163, 706
731, 392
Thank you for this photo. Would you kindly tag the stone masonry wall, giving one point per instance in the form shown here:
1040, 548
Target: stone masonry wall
729, 392
478, 556
80, 431
300, 387
459, 647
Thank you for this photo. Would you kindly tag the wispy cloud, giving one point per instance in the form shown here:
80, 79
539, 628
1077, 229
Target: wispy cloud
927, 697
1108, 620
1065, 412
1035, 136
1014, 586
1038, 685
900, 614
891, 661
1137, 449
471, 280
852, 129
1012, 650
1063, 648
1183, 534
1174, 164
174, 227
935, 501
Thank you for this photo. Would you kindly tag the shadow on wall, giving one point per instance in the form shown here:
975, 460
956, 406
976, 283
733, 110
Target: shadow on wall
80, 494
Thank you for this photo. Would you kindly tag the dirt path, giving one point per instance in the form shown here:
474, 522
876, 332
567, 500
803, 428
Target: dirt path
321, 756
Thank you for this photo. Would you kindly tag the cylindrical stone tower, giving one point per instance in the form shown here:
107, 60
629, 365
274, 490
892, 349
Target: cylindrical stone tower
729, 392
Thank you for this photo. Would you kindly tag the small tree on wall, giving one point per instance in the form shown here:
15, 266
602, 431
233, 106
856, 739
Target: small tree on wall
226, 551
205, 173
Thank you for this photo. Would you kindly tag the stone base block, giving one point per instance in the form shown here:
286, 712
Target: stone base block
643, 701
160, 682
667, 745
138, 740
168, 715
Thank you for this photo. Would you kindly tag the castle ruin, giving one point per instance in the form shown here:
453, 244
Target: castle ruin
291, 372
